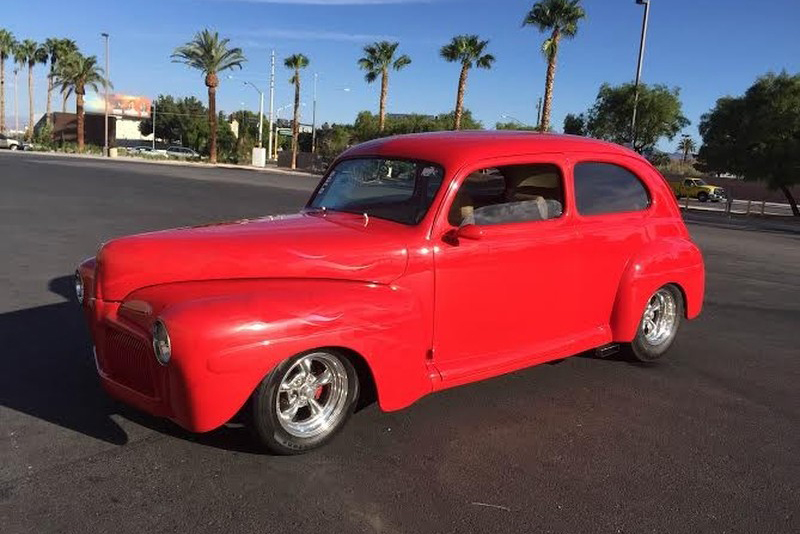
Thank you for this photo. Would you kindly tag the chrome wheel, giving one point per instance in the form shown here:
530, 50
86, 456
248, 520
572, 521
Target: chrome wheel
312, 395
660, 317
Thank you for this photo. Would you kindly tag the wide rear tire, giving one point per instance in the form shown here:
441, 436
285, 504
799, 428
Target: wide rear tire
659, 324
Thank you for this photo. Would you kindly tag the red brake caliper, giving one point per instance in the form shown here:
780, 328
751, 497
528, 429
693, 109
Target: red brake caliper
318, 392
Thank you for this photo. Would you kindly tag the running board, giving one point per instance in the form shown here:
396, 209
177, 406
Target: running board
606, 350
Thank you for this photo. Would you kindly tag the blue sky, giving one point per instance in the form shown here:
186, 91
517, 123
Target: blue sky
708, 48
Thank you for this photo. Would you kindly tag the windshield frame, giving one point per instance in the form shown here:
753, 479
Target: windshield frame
420, 163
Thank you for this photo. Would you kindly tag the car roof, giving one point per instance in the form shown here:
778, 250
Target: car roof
458, 148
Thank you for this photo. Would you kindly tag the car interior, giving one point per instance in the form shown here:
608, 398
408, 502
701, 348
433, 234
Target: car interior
509, 194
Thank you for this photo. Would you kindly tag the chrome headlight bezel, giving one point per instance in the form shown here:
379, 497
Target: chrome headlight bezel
80, 290
162, 346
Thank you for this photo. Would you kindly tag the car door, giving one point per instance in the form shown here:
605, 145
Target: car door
504, 296
612, 205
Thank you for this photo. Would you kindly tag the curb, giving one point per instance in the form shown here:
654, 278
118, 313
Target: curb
126, 159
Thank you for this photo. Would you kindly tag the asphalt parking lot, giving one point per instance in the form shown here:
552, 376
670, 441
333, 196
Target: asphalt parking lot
707, 440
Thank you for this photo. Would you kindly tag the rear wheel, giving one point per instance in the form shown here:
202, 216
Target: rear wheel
304, 402
13, 147
659, 324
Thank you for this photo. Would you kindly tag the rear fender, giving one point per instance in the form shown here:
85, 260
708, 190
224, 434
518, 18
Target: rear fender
228, 335
673, 260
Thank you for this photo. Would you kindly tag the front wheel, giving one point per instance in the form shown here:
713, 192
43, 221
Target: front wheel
304, 401
702, 196
659, 324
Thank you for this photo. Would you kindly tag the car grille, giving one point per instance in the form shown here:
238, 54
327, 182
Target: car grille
130, 361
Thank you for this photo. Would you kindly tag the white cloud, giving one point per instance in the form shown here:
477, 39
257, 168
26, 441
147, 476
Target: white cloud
309, 35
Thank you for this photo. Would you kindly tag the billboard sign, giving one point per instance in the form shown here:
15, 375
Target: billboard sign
119, 105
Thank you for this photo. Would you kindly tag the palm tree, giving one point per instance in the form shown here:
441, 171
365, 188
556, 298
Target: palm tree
7, 45
378, 59
32, 53
296, 62
687, 146
560, 18
75, 73
209, 54
57, 49
468, 49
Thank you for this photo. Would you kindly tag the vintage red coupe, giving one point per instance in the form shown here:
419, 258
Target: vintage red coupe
420, 262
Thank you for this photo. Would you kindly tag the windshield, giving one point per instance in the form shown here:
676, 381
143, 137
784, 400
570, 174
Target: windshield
698, 181
393, 189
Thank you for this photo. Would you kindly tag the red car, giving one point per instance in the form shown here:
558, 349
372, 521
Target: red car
420, 262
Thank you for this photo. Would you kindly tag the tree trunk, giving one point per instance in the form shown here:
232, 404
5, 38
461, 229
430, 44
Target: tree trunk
792, 202
550, 81
2, 95
384, 92
29, 133
462, 86
49, 100
80, 120
64, 99
296, 122
212, 124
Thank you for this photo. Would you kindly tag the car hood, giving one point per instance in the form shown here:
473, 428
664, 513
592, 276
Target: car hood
331, 246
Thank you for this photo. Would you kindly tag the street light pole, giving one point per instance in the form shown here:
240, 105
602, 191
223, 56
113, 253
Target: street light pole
260, 112
105, 97
16, 102
271, 104
314, 118
646, 4
154, 125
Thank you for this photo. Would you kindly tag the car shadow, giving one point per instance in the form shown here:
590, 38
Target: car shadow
47, 371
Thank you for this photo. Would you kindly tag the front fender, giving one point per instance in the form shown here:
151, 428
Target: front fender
673, 260
228, 335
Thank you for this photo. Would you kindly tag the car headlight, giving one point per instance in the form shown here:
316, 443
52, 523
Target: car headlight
79, 287
161, 343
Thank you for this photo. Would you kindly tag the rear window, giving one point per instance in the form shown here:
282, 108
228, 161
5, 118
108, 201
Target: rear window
602, 188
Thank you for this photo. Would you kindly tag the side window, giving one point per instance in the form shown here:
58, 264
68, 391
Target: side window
688, 183
606, 188
509, 194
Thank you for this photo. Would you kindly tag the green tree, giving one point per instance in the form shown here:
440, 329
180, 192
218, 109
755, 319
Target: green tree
296, 62
210, 55
560, 18
659, 115
181, 121
511, 125
32, 53
757, 135
469, 51
333, 139
75, 73
575, 124
7, 46
686, 145
378, 59
366, 124
57, 49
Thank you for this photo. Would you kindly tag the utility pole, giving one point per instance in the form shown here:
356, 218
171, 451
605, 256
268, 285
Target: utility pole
646, 4
539, 112
271, 104
16, 102
105, 97
154, 125
314, 118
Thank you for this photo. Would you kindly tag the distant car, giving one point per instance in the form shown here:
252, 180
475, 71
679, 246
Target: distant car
9, 142
147, 150
697, 188
181, 152
420, 263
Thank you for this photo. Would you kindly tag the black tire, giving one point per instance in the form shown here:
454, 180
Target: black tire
643, 347
265, 421
702, 196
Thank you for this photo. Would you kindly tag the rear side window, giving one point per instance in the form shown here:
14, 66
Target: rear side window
606, 188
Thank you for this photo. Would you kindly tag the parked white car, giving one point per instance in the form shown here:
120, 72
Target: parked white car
9, 142
182, 152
